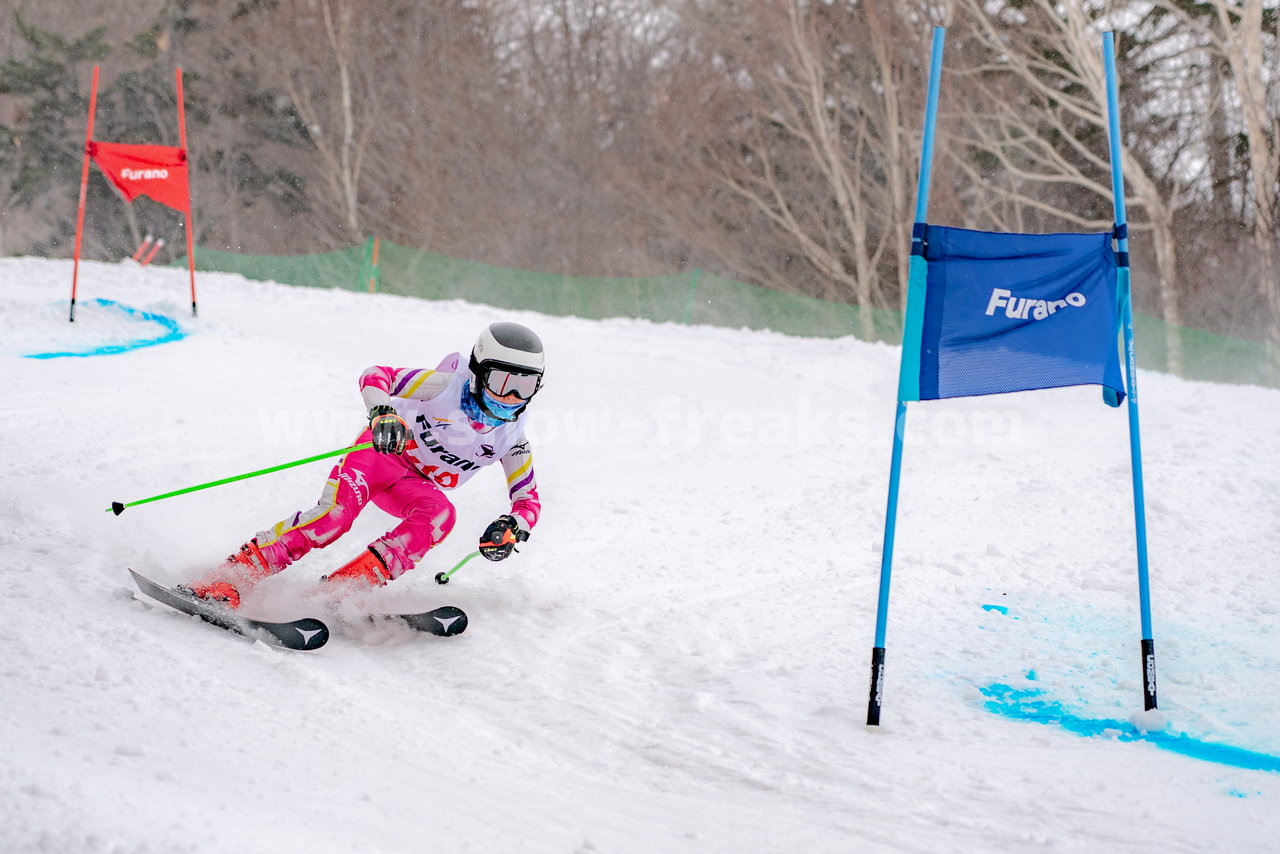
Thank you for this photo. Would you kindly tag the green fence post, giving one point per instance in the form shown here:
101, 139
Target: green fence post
369, 266
693, 289
365, 261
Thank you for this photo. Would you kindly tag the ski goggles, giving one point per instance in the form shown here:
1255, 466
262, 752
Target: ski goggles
501, 381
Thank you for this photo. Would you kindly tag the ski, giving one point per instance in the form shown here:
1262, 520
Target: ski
307, 633
446, 621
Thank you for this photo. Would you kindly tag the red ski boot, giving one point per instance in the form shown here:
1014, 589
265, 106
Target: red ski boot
240, 572
365, 571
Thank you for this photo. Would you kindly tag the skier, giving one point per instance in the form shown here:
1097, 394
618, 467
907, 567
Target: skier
431, 432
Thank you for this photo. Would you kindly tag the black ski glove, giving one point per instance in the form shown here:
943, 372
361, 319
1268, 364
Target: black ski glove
389, 430
500, 538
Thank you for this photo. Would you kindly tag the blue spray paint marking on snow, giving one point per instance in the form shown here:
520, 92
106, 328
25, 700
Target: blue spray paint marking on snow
173, 333
1029, 704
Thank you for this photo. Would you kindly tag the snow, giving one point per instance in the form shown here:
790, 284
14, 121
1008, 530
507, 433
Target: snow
678, 660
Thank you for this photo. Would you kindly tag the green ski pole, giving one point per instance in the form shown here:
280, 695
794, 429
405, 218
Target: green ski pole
443, 577
118, 507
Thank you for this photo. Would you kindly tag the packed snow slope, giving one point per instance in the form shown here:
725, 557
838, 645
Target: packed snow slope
677, 661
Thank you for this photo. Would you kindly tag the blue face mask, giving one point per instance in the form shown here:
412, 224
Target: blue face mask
502, 412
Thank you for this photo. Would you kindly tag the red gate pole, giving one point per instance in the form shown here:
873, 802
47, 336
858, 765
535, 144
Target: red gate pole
84, 185
155, 247
142, 247
182, 143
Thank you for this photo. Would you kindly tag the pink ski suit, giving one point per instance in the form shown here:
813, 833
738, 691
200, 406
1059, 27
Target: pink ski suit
445, 449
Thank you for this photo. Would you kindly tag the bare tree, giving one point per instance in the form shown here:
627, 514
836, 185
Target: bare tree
341, 113
326, 57
1236, 34
889, 34
1044, 120
791, 115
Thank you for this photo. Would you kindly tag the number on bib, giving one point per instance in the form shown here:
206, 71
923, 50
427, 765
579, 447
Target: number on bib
443, 479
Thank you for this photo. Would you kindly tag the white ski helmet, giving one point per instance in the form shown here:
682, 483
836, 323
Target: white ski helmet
506, 359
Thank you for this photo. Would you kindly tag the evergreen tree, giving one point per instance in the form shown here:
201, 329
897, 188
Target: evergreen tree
42, 152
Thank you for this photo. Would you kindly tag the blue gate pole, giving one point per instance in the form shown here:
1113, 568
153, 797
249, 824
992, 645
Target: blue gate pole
908, 373
1131, 380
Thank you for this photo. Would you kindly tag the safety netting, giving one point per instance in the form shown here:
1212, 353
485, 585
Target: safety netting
693, 297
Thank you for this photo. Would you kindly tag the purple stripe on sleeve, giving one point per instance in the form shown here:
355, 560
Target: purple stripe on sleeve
516, 487
395, 392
